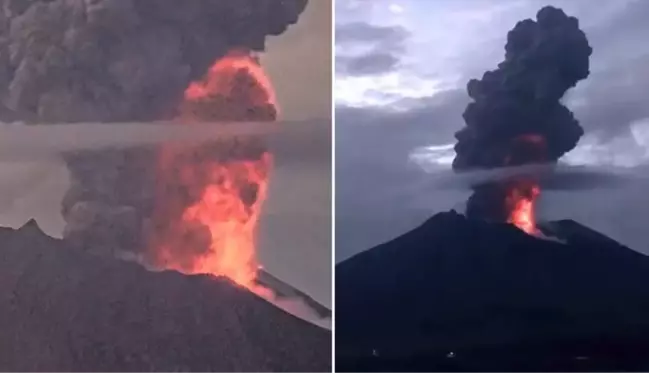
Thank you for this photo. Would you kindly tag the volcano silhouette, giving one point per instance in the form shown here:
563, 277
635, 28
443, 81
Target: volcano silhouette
457, 294
62, 309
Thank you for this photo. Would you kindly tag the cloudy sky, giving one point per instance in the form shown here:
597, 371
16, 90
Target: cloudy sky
401, 71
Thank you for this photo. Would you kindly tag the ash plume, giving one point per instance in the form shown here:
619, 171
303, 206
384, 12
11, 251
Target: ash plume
89, 61
516, 117
121, 60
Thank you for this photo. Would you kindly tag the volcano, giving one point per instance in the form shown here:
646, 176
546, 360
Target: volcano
189, 210
66, 310
192, 209
461, 294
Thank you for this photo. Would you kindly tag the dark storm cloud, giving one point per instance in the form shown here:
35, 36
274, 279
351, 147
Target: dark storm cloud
384, 46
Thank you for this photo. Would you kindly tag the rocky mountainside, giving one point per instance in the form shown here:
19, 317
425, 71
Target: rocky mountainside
66, 310
460, 294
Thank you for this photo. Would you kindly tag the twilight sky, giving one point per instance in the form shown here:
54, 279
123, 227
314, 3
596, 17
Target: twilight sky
401, 71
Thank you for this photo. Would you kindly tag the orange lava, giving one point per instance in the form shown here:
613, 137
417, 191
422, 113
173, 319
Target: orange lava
520, 201
220, 75
522, 194
209, 199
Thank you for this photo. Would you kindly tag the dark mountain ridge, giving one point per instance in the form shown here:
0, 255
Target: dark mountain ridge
65, 310
462, 294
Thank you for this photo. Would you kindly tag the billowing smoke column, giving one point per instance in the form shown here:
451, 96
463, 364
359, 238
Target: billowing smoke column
112, 60
517, 117
139, 60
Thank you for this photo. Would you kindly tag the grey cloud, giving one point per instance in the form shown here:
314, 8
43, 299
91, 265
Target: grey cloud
615, 98
628, 25
373, 63
425, 121
384, 46
362, 32
616, 93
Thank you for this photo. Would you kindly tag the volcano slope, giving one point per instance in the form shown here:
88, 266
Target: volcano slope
456, 294
66, 310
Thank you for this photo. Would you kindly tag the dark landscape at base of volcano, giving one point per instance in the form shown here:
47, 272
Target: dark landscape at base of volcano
457, 294
65, 310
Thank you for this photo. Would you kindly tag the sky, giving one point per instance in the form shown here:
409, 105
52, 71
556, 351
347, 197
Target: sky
295, 238
299, 64
295, 234
401, 72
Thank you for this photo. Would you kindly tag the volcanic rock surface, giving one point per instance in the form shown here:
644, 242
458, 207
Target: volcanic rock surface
65, 310
462, 294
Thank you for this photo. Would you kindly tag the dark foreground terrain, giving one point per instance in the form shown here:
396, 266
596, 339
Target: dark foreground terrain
462, 295
64, 310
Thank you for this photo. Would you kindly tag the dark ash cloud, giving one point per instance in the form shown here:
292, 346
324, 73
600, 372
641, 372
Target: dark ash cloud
122, 60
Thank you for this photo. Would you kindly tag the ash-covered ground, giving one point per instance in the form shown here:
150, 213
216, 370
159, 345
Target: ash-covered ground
65, 310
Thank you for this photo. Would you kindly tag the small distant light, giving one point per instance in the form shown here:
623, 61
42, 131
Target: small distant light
375, 352
581, 358
450, 355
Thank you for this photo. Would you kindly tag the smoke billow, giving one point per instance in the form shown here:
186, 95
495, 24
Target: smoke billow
517, 107
114, 60
517, 117
78, 61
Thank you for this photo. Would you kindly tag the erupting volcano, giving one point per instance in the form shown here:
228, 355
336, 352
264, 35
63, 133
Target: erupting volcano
75, 304
522, 194
520, 203
517, 117
209, 199
469, 292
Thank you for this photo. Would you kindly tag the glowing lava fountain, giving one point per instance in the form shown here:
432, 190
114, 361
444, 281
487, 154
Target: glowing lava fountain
512, 200
209, 198
520, 202
521, 194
